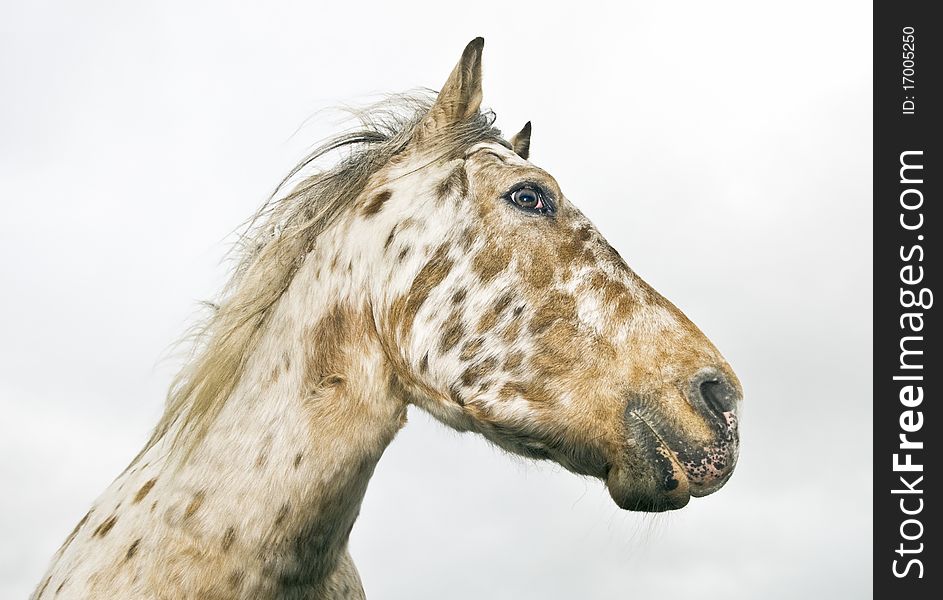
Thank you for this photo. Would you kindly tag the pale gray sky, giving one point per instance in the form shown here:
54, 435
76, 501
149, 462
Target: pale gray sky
723, 148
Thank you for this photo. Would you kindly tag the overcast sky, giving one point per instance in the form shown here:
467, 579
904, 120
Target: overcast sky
723, 148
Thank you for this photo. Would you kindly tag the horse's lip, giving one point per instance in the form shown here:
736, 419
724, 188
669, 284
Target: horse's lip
699, 490
663, 445
696, 488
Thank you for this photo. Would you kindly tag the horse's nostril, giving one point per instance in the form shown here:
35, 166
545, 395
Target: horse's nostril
715, 393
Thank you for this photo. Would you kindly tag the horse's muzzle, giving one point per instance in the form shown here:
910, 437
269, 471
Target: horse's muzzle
666, 463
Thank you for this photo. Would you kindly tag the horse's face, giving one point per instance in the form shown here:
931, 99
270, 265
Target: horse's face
515, 318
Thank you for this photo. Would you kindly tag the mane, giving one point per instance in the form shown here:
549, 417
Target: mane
276, 240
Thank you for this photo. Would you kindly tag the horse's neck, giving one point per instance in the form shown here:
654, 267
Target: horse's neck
267, 500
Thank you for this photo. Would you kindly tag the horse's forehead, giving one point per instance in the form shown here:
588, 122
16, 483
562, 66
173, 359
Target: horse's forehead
507, 155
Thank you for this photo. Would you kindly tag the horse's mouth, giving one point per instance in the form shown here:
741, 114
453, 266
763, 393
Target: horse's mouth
654, 481
664, 472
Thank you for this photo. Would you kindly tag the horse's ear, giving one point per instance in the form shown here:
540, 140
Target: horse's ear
521, 141
460, 97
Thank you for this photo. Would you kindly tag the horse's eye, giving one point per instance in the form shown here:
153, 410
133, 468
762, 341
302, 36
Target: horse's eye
531, 198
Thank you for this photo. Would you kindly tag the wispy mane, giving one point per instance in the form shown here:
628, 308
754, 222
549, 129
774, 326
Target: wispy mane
278, 237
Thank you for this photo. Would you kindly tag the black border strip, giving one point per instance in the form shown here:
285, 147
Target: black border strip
908, 371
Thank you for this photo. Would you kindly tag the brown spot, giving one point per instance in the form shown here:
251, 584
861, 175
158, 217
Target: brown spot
569, 249
456, 395
502, 303
453, 334
424, 363
557, 306
475, 372
154, 505
332, 380
491, 260
511, 331
402, 253
132, 550
229, 536
298, 458
325, 349
603, 348
583, 233
614, 294
260, 460
61, 585
467, 239
513, 361
561, 347
389, 239
195, 504
459, 296
471, 348
407, 223
235, 579
432, 274
376, 203
487, 322
105, 526
536, 393
538, 274
282, 514
145, 489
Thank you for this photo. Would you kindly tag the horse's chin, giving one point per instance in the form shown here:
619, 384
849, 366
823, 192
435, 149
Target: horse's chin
659, 486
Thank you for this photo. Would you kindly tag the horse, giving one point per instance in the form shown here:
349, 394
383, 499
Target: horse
430, 264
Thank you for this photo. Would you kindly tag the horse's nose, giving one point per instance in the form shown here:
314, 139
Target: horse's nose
713, 394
